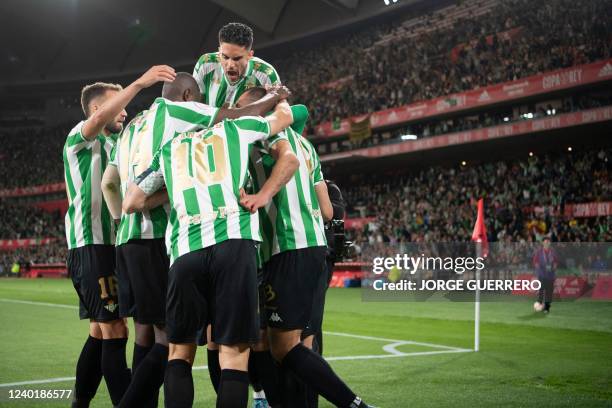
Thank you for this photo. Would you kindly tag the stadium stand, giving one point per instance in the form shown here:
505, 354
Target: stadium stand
528, 198
460, 48
464, 46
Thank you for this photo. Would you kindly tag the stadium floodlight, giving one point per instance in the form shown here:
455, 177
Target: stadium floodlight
569, 149
409, 137
388, 2
506, 119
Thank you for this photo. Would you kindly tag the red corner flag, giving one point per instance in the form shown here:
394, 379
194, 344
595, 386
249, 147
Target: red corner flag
480, 230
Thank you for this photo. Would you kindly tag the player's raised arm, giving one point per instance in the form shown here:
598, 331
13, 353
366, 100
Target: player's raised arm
260, 107
281, 119
102, 114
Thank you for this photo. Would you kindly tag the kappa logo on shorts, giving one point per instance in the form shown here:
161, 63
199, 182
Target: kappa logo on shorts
275, 317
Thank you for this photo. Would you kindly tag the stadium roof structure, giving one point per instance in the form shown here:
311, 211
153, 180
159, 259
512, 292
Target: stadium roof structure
44, 41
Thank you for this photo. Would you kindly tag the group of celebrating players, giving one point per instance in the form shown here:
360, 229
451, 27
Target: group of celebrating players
203, 220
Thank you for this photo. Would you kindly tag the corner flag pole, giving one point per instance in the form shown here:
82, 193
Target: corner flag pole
482, 250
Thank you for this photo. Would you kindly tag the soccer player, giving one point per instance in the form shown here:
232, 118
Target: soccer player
213, 272
90, 234
224, 75
294, 273
142, 263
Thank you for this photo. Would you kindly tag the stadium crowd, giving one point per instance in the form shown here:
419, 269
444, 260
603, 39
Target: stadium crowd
365, 77
552, 35
470, 121
32, 156
53, 253
438, 204
24, 221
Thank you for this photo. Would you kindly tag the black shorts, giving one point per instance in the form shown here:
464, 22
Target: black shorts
262, 296
294, 289
142, 273
216, 285
92, 270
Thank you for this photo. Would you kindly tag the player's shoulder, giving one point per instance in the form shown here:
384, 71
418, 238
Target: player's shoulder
260, 65
135, 120
307, 144
208, 58
78, 128
75, 136
246, 121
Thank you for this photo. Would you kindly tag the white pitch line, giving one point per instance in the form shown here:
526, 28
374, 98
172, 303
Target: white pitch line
416, 343
27, 302
414, 354
33, 382
389, 348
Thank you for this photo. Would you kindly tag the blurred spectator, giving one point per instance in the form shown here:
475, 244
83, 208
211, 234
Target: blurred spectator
24, 221
437, 204
363, 76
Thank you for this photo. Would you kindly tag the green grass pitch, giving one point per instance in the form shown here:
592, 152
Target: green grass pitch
526, 359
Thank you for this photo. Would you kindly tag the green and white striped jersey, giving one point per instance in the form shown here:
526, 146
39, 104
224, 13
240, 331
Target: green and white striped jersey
88, 220
204, 172
135, 149
216, 89
292, 220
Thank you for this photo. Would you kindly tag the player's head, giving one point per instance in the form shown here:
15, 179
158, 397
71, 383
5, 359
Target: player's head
235, 42
92, 98
546, 241
184, 88
251, 95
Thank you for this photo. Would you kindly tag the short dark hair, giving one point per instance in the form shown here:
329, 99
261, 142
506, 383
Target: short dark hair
237, 34
93, 91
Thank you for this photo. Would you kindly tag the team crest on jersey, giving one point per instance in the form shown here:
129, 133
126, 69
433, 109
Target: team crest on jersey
250, 83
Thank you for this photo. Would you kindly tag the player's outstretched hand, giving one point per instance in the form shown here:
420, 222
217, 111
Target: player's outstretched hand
253, 202
282, 91
155, 74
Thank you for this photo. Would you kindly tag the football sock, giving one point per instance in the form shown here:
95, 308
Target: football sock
88, 372
114, 367
233, 389
214, 369
314, 371
147, 379
140, 352
268, 374
254, 373
178, 384
294, 390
